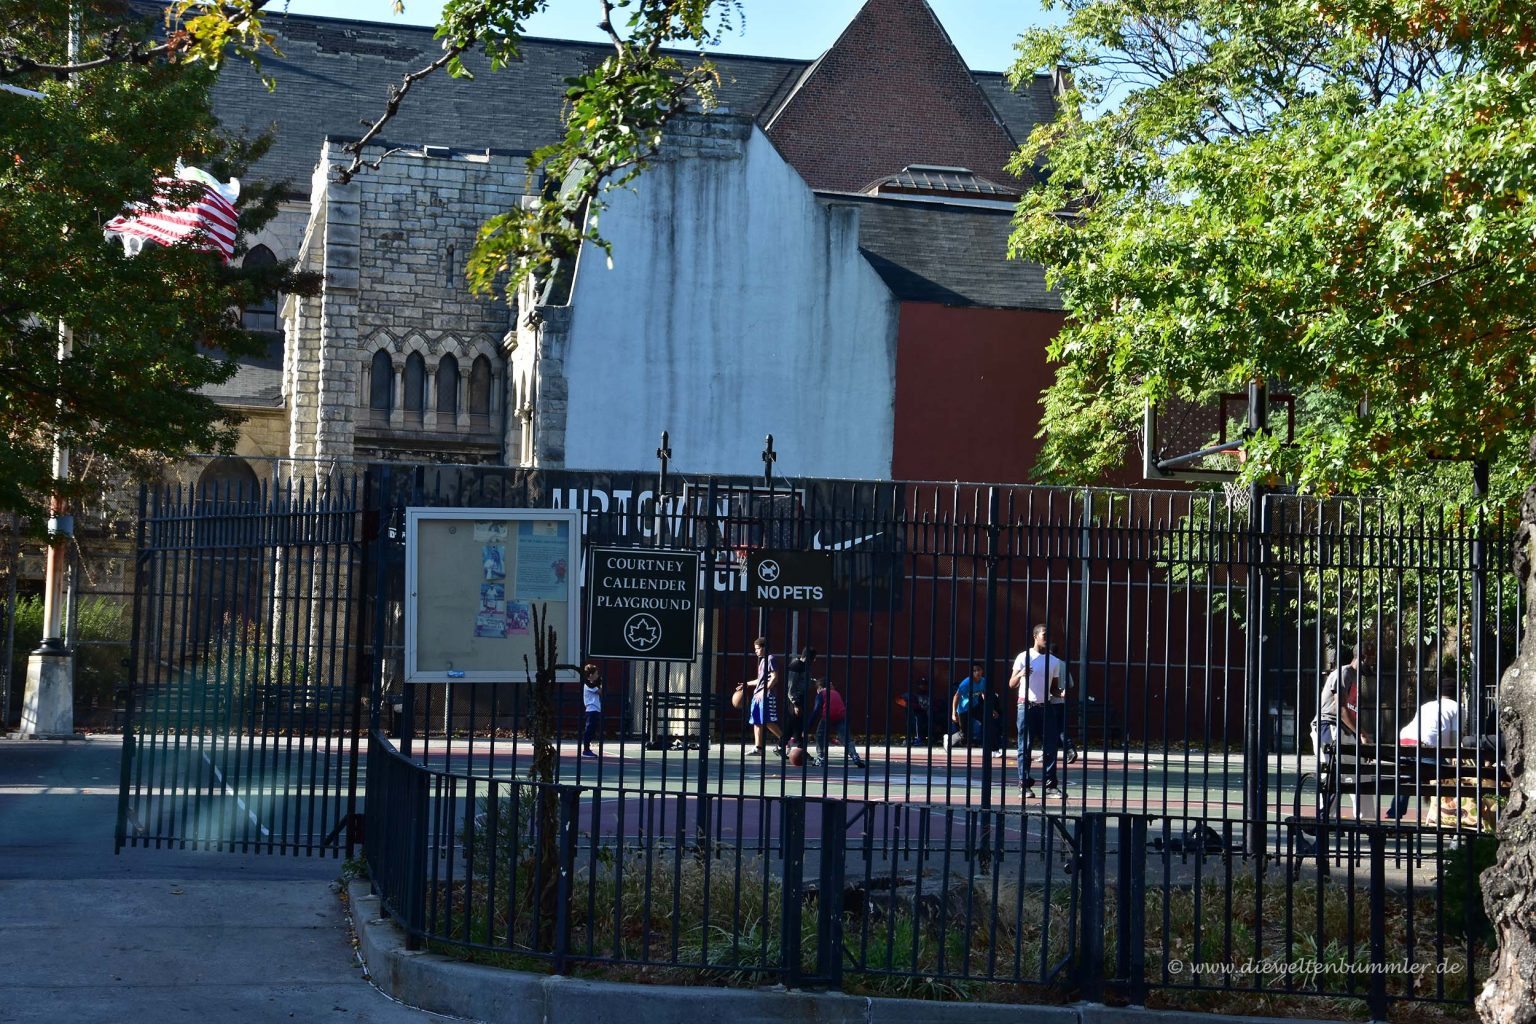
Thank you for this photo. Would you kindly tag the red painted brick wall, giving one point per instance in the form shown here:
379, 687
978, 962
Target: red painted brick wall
968, 385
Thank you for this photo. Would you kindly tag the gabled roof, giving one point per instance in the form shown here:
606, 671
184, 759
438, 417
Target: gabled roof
892, 91
335, 72
945, 254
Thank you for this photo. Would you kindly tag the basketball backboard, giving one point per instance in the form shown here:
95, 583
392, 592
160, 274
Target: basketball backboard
1203, 441
745, 518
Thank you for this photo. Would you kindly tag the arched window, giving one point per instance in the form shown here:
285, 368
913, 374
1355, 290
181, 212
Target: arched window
381, 382
228, 478
448, 387
261, 315
227, 592
480, 387
415, 382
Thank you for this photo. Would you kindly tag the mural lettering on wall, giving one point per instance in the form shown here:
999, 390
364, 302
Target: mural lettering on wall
629, 515
744, 517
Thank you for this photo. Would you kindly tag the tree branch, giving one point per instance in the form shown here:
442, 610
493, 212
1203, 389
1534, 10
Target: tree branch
606, 24
15, 65
396, 94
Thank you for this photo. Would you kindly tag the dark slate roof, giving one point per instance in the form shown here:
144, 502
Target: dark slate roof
335, 72
1020, 109
250, 386
948, 254
258, 379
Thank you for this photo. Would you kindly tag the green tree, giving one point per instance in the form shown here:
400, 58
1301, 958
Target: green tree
149, 331
1332, 195
1326, 195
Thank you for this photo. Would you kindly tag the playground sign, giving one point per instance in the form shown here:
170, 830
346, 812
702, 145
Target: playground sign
643, 604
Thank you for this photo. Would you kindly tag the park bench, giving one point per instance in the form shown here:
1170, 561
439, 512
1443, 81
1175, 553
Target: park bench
1385, 771
305, 707
673, 719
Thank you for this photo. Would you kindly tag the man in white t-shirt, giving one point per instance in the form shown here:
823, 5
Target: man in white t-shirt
1437, 725
1041, 681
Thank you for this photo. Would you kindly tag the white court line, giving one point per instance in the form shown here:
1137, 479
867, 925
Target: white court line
238, 800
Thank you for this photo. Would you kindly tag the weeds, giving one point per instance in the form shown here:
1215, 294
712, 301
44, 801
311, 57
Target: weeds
661, 915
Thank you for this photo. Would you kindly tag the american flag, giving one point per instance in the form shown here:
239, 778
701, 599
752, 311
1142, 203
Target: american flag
208, 223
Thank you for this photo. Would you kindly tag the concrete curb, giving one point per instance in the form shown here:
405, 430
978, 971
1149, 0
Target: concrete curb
429, 981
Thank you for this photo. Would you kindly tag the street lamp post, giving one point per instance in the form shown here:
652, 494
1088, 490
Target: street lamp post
48, 703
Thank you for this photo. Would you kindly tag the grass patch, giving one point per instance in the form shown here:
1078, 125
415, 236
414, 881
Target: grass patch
660, 915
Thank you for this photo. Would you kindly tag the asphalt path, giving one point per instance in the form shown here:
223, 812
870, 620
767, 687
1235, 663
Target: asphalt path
87, 935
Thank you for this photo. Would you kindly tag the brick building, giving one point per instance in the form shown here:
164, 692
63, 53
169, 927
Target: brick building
823, 260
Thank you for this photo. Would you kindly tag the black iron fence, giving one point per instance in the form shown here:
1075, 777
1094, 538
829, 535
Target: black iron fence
722, 888
1197, 639
1348, 914
916, 899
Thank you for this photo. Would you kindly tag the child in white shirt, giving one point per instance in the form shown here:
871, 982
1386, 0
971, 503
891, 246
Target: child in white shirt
592, 702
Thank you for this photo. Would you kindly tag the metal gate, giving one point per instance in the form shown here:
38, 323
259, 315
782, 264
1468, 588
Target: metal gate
243, 715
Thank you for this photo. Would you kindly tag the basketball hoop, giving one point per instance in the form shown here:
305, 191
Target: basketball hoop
1237, 497
739, 557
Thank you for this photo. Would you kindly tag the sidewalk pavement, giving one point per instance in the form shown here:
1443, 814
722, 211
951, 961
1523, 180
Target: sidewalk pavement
86, 936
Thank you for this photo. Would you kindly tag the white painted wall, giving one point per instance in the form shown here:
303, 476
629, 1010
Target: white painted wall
737, 306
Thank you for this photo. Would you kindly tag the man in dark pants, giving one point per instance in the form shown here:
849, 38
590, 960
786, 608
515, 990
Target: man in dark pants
1041, 681
920, 714
1338, 712
800, 695
831, 712
592, 707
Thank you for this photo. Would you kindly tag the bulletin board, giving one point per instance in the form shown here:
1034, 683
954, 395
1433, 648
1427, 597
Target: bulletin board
472, 579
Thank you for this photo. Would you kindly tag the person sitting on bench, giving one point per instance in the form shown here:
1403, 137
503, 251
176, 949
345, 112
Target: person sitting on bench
1436, 726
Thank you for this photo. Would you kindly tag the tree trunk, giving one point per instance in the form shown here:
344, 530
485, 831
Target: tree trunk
1509, 887
545, 760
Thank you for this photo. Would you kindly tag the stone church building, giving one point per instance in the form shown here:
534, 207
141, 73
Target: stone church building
821, 259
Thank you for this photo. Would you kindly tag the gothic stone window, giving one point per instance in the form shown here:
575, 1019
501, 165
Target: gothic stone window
448, 388
381, 382
415, 383
480, 387
261, 315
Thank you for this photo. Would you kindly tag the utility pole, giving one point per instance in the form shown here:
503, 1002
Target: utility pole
48, 704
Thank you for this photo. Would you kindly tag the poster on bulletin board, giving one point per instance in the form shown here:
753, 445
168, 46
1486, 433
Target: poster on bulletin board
473, 579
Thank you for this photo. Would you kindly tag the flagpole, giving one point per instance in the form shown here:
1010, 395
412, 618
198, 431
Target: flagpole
48, 703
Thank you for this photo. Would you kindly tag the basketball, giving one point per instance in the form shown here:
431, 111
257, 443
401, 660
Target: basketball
797, 756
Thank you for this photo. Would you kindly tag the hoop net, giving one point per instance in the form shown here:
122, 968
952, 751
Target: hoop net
1237, 497
739, 556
